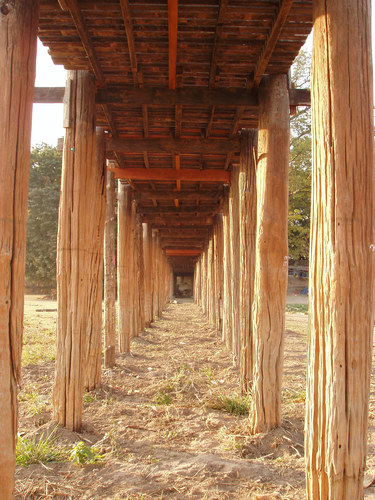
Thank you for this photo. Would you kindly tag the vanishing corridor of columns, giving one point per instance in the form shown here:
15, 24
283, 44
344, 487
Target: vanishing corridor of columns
208, 202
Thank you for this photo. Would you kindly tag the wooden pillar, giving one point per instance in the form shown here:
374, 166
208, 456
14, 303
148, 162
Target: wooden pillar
248, 211
227, 290
76, 249
147, 254
271, 269
234, 216
211, 281
204, 280
341, 254
18, 35
110, 276
125, 267
197, 282
218, 245
141, 275
98, 202
155, 277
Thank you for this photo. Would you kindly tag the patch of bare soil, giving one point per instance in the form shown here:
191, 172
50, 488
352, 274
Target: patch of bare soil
157, 422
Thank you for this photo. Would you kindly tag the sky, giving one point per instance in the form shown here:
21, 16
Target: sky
47, 118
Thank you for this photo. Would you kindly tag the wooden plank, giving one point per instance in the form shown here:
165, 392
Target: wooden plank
18, 42
187, 96
215, 50
80, 24
157, 96
271, 41
212, 209
146, 195
172, 40
182, 252
164, 174
125, 11
174, 146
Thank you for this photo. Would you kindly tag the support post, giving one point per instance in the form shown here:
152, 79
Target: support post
18, 36
76, 247
271, 269
110, 276
227, 290
125, 267
341, 282
94, 355
248, 211
234, 217
147, 253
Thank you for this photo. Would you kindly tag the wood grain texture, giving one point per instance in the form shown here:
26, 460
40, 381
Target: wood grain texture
18, 32
234, 227
271, 266
98, 211
227, 264
248, 217
125, 267
110, 276
341, 257
76, 252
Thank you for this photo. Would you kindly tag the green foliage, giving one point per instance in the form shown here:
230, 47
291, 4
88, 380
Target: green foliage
236, 405
300, 166
44, 193
34, 451
302, 308
82, 454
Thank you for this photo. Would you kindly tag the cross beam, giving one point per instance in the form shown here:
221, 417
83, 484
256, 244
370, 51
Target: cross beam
167, 174
174, 146
155, 96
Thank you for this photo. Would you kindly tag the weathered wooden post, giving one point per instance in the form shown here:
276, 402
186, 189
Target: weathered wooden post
234, 216
18, 36
211, 316
110, 276
271, 268
227, 290
76, 249
141, 276
248, 210
147, 253
125, 267
204, 280
93, 376
154, 275
218, 245
341, 252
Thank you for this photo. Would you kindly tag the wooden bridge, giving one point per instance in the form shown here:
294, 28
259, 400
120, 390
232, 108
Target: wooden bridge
188, 104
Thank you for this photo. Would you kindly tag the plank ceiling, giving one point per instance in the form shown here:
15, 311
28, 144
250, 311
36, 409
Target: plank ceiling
139, 52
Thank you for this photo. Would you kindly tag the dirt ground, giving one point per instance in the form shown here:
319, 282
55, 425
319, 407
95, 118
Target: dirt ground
158, 420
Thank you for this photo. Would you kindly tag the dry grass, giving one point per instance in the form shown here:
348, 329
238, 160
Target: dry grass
167, 421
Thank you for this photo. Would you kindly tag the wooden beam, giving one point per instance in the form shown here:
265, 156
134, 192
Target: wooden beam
189, 96
174, 146
218, 33
271, 41
164, 221
146, 195
172, 38
80, 24
164, 174
125, 11
182, 252
198, 96
181, 210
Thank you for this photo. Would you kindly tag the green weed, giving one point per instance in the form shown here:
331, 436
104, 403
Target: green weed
236, 405
302, 308
31, 450
81, 454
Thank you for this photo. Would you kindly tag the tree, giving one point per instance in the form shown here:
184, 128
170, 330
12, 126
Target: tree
300, 166
44, 193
